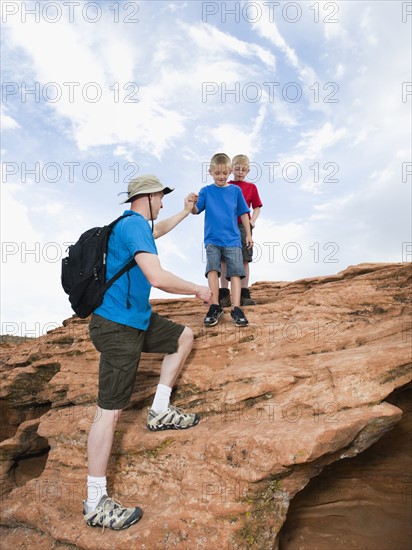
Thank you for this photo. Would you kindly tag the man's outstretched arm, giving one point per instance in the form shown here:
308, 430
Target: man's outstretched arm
164, 226
167, 281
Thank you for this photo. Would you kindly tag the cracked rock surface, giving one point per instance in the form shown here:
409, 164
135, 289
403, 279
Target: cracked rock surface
303, 386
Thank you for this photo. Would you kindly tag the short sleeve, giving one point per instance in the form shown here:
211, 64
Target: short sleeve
201, 201
137, 236
256, 202
242, 207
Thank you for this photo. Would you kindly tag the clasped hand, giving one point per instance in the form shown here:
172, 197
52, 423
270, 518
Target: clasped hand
190, 202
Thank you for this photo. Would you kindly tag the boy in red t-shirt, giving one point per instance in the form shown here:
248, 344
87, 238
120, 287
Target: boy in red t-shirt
240, 169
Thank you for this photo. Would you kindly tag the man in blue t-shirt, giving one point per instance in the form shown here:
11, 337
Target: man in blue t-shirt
223, 204
122, 327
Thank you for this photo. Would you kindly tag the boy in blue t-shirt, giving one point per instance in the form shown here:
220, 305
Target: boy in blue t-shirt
223, 203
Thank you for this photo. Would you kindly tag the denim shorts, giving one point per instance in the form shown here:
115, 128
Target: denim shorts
232, 255
120, 347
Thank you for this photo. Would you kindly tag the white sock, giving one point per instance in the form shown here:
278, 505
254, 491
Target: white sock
162, 398
96, 488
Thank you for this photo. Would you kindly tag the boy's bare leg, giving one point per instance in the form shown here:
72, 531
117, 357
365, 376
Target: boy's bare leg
245, 280
235, 286
213, 280
100, 440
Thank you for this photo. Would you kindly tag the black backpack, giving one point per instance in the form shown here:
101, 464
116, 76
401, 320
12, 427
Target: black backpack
84, 269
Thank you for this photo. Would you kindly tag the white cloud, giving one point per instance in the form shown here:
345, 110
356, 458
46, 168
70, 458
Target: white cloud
310, 150
121, 151
124, 112
373, 221
174, 128
313, 142
284, 114
367, 27
30, 271
172, 7
338, 13
269, 30
327, 211
288, 251
51, 208
233, 138
142, 110
169, 249
7, 122
213, 41
340, 71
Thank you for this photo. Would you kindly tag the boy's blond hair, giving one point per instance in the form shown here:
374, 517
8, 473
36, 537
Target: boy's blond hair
240, 159
220, 158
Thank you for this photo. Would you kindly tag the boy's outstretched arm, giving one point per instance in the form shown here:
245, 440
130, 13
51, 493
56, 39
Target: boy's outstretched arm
246, 225
164, 226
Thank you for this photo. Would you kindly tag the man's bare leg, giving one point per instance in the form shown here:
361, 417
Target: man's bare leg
173, 362
100, 440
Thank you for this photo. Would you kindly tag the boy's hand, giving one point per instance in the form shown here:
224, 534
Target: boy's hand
249, 242
190, 202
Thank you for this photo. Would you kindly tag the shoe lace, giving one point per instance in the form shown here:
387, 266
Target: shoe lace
112, 505
179, 411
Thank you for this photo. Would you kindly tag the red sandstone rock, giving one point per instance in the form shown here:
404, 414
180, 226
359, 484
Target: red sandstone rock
361, 502
303, 386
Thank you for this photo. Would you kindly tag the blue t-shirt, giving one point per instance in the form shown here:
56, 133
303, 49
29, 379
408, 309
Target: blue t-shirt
222, 207
130, 235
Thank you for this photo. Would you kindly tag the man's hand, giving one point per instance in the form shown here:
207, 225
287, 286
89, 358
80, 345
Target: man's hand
204, 293
190, 202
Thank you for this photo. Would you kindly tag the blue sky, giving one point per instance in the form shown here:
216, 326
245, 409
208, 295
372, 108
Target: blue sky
315, 93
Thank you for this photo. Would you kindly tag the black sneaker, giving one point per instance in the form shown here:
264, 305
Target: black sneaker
239, 317
213, 315
245, 298
224, 297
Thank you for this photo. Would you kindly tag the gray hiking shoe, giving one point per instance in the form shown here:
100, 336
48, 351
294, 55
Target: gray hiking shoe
172, 419
112, 514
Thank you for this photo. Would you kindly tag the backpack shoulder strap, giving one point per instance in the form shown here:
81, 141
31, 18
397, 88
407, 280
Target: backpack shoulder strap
114, 222
126, 267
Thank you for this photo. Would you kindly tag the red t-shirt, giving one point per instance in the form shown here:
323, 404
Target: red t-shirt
250, 194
